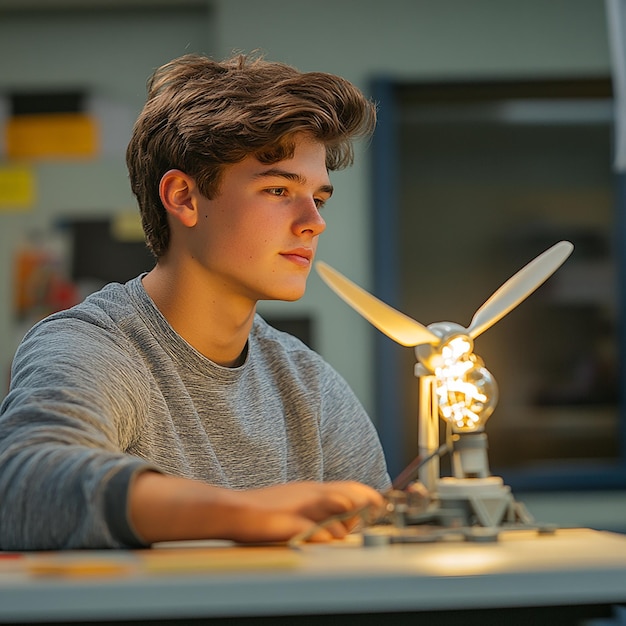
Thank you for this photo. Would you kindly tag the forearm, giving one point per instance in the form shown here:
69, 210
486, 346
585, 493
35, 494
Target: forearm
168, 508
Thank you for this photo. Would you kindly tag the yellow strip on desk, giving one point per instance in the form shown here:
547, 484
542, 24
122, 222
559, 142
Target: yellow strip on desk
78, 567
156, 561
206, 559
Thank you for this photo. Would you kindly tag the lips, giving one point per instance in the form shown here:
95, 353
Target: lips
299, 255
306, 253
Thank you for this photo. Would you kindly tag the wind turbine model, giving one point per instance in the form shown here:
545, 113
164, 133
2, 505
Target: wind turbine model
456, 386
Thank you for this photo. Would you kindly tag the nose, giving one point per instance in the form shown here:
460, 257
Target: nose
309, 219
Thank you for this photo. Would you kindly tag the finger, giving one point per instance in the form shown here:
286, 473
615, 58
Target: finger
359, 494
336, 528
319, 534
368, 505
263, 526
331, 502
353, 522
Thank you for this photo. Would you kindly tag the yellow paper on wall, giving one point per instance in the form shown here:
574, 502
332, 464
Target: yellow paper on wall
52, 135
127, 227
17, 188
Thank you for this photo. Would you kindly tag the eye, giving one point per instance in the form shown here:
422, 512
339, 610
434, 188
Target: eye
276, 191
320, 202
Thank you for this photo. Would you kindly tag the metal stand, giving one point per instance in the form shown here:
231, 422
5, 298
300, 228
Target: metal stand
471, 505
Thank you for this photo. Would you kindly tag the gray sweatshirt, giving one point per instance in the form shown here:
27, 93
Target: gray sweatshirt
108, 389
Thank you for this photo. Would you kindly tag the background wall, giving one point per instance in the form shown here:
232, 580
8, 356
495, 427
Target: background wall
359, 39
108, 53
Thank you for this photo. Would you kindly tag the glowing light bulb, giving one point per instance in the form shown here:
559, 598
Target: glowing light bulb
466, 391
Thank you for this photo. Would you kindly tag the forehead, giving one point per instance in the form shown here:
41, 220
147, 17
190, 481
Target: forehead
306, 164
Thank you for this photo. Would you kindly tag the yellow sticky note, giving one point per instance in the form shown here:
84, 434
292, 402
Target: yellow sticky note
52, 135
17, 188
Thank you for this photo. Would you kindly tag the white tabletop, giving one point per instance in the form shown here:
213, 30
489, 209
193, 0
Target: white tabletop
573, 566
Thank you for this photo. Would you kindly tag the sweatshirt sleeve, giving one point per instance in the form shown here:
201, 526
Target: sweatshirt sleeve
76, 400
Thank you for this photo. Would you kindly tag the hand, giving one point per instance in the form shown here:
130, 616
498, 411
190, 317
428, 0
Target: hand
281, 512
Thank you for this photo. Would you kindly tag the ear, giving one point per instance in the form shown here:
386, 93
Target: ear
176, 192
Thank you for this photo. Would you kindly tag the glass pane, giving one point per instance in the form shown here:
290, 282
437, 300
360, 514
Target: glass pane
484, 188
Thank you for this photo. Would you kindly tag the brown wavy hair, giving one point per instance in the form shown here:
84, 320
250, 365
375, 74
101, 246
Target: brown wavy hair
201, 115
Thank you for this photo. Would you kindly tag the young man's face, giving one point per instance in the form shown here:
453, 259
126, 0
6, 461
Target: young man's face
258, 236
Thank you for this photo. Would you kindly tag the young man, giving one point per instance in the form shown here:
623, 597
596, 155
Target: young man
166, 408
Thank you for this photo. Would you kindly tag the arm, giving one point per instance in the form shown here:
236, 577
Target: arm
73, 406
167, 508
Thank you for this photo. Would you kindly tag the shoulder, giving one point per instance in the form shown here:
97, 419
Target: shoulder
83, 362
106, 308
88, 332
101, 307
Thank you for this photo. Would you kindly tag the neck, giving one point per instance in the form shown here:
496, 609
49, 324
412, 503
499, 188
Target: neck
214, 323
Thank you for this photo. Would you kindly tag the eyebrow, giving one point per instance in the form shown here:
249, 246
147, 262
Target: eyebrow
292, 176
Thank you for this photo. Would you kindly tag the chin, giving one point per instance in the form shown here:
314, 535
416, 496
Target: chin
287, 295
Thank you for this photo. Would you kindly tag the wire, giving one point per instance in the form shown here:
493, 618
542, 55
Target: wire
409, 473
362, 514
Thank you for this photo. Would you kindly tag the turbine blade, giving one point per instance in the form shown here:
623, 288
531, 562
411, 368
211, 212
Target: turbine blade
519, 287
396, 325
